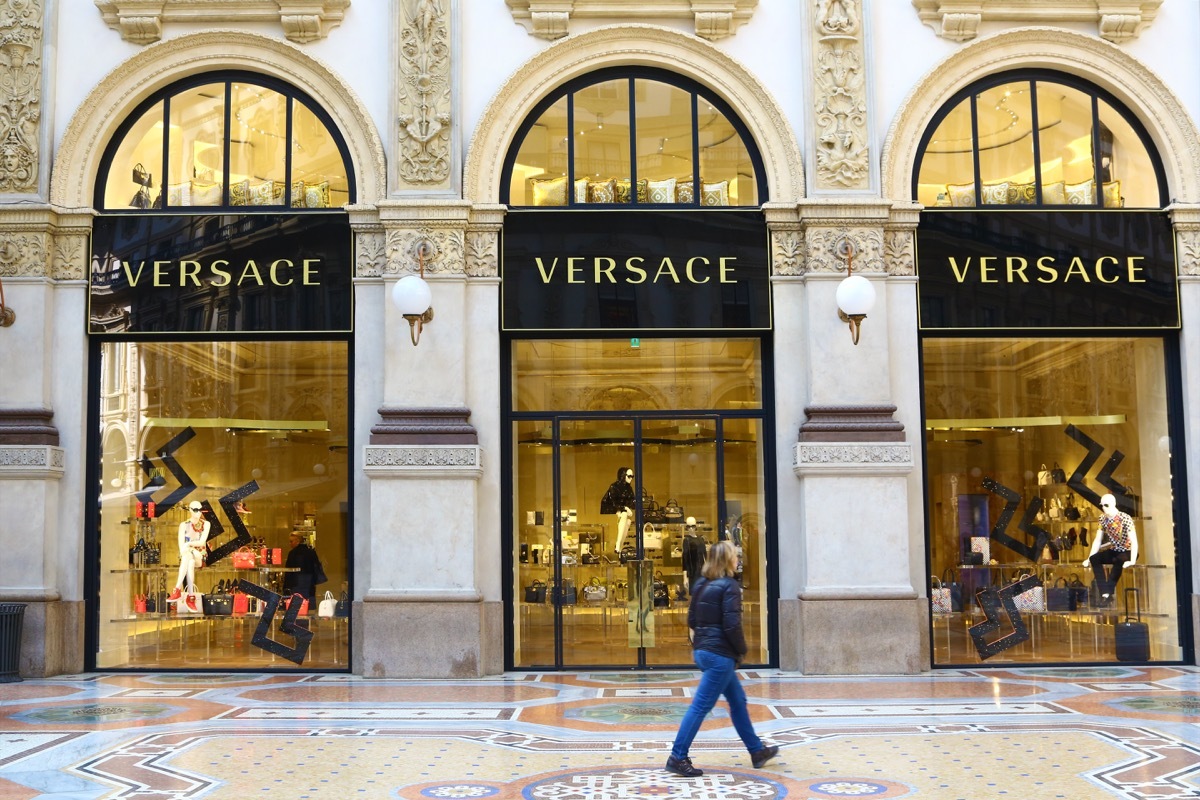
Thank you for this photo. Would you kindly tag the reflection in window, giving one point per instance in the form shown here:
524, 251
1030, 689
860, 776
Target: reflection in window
228, 145
613, 155
1036, 142
1002, 409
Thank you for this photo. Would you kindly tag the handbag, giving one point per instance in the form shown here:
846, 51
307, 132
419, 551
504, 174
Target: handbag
628, 553
326, 606
1032, 601
243, 558
190, 602
241, 603
141, 177
1079, 592
594, 591
939, 597
1071, 511
653, 512
1057, 475
983, 546
564, 595
949, 581
1059, 597
651, 537
217, 605
287, 601
1044, 476
673, 512
342, 609
139, 604
662, 598
535, 592
608, 503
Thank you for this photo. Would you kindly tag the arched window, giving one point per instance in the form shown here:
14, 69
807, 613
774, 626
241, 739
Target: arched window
227, 140
629, 137
1034, 138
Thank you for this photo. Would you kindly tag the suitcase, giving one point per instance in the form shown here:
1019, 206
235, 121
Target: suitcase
1133, 637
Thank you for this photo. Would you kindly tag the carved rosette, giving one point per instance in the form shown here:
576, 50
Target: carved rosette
840, 92
370, 253
822, 244
787, 252
20, 93
423, 120
22, 254
444, 251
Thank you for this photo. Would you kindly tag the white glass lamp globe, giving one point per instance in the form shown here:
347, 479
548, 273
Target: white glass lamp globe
855, 296
412, 296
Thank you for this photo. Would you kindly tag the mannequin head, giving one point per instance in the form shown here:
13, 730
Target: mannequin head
625, 474
690, 522
195, 508
1108, 504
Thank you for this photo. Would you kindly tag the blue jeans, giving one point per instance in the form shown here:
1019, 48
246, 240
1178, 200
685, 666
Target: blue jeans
719, 678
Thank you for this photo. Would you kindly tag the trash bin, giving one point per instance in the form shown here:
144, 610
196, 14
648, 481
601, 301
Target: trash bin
11, 617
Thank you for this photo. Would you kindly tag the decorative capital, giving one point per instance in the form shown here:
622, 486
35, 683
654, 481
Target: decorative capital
302, 21
713, 19
822, 244
1117, 20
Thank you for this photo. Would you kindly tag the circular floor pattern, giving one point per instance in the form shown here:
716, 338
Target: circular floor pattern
1186, 704
854, 787
630, 713
653, 783
94, 714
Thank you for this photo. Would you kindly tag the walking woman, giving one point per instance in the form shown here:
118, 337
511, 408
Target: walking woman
715, 620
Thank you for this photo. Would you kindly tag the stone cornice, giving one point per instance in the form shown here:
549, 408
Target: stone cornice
1116, 20
302, 21
1174, 132
853, 458
423, 461
550, 19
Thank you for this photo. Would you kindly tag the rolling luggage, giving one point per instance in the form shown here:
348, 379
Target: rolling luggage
1133, 637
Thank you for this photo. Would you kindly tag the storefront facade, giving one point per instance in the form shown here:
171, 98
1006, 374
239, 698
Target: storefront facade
450, 470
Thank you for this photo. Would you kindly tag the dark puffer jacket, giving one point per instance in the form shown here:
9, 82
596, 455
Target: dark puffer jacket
715, 614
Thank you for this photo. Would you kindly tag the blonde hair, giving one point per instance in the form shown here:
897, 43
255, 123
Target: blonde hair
721, 561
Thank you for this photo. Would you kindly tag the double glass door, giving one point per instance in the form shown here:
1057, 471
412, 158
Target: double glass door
605, 582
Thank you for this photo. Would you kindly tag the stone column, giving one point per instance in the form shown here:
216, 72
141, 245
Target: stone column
855, 560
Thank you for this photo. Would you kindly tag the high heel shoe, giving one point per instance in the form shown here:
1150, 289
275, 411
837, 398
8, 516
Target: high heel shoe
1083, 537
175, 595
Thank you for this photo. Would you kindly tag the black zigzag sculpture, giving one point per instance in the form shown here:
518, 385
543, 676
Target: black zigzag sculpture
1027, 525
242, 537
1125, 500
186, 484
990, 600
156, 481
262, 638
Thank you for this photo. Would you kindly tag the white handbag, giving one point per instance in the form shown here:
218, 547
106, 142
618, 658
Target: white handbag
327, 605
651, 537
190, 602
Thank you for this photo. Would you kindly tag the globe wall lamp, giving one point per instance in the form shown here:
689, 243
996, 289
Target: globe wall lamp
412, 296
855, 294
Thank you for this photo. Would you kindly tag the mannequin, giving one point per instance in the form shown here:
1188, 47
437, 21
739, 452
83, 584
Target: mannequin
694, 551
620, 499
1116, 546
193, 533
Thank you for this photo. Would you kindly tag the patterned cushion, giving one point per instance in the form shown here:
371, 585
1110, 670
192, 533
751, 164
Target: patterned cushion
1054, 194
1112, 195
995, 194
1022, 194
179, 194
239, 193
962, 195
263, 194
316, 195
714, 194
602, 191
623, 191
1081, 194
581, 190
685, 190
297, 193
548, 191
661, 191
206, 194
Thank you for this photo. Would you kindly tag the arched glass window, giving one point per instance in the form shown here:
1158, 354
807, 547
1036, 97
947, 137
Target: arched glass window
1037, 139
633, 137
226, 140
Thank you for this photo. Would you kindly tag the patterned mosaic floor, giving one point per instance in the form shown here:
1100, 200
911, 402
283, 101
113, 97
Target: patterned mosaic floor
1024, 733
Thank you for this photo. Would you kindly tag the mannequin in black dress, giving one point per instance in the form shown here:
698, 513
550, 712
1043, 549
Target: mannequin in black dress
694, 551
620, 500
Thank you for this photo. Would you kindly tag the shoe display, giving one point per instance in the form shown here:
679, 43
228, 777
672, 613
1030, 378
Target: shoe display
683, 766
175, 595
764, 755
191, 604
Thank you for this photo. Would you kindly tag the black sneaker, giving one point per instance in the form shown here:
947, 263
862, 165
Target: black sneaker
683, 766
763, 756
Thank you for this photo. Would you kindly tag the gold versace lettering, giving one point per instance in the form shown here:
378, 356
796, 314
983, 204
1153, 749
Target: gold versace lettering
193, 273
1104, 269
605, 269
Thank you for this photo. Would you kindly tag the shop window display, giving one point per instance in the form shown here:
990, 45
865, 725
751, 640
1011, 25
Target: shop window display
1051, 459
224, 467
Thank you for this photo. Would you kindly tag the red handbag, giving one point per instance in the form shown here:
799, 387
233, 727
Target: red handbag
139, 604
303, 606
241, 601
243, 559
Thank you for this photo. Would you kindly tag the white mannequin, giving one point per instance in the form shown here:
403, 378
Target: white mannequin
625, 515
193, 533
1118, 523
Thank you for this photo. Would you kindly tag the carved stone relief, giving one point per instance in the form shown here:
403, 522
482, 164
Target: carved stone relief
444, 251
302, 21
840, 92
22, 254
900, 252
20, 93
822, 245
370, 254
483, 260
1187, 240
70, 256
423, 100
1117, 20
550, 19
787, 252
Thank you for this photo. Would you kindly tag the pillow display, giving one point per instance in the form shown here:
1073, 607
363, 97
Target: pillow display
661, 191
1112, 195
316, 195
206, 194
685, 190
995, 194
546, 192
1022, 194
962, 195
1054, 194
581, 190
1081, 194
714, 194
262, 194
622, 188
602, 191
239, 193
297, 193
179, 194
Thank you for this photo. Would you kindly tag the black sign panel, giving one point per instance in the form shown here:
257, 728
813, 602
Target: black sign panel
683, 270
221, 273
1046, 269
